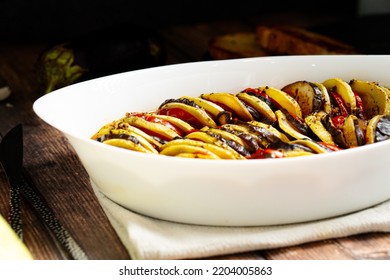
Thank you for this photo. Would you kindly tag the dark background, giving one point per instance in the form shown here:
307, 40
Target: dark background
54, 20
45, 19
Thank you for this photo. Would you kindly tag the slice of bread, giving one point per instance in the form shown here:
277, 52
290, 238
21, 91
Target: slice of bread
235, 45
283, 40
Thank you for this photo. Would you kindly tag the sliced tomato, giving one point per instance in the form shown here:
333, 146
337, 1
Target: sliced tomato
154, 119
181, 114
266, 153
360, 107
331, 146
338, 121
340, 103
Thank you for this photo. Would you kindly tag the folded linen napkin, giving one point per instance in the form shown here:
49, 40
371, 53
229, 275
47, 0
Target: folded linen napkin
147, 238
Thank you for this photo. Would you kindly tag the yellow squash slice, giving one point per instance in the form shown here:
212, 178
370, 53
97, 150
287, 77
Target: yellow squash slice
375, 98
344, 90
284, 100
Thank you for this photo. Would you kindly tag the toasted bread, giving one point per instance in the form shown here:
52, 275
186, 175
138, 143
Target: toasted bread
298, 41
235, 45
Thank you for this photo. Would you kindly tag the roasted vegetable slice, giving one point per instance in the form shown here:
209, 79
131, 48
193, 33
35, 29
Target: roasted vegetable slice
353, 134
229, 102
272, 129
195, 116
152, 128
307, 94
189, 146
376, 101
317, 147
212, 108
378, 129
284, 100
217, 140
287, 127
326, 106
259, 105
337, 86
315, 122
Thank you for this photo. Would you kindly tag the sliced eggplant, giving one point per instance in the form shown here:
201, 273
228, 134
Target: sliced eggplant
272, 129
307, 94
353, 134
251, 141
313, 145
218, 141
336, 132
129, 140
155, 141
378, 129
287, 127
325, 97
259, 105
292, 149
264, 136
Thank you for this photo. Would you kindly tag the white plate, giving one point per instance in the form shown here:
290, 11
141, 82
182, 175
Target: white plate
222, 192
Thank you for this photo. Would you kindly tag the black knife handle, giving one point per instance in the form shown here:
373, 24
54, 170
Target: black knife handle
15, 212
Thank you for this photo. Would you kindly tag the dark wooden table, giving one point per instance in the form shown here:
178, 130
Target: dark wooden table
58, 173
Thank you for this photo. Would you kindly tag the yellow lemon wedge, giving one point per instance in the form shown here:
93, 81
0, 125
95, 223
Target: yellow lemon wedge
11, 247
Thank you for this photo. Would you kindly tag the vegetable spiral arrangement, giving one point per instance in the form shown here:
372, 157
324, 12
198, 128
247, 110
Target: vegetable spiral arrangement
302, 118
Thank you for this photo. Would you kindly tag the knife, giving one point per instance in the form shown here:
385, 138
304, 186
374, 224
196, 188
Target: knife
11, 158
10, 167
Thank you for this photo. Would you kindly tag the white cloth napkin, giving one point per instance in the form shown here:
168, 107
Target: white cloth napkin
151, 239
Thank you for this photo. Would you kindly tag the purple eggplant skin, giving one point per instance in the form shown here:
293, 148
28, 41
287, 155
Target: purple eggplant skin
99, 53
